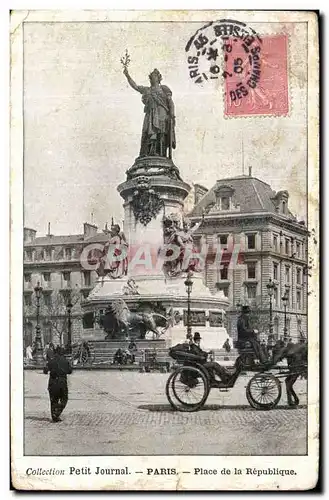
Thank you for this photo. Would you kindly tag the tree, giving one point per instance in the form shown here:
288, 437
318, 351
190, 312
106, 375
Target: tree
54, 312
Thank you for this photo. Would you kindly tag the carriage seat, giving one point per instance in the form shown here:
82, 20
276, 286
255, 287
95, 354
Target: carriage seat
182, 354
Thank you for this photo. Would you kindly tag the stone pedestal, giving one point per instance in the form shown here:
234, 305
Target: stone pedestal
153, 190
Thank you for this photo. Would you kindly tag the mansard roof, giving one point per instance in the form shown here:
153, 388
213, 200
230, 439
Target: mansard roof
68, 239
249, 193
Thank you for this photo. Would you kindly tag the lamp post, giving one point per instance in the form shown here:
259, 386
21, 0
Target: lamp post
69, 307
189, 283
38, 339
285, 303
270, 290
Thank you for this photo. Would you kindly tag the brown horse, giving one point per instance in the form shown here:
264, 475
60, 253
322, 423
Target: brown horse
296, 356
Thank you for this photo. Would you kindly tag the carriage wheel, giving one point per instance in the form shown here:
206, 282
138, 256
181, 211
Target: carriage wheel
187, 389
263, 391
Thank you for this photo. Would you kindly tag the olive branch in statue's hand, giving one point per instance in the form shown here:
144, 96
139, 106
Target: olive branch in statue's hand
125, 61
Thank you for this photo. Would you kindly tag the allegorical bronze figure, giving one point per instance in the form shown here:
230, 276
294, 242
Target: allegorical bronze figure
158, 133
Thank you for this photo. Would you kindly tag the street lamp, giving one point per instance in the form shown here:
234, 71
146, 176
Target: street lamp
270, 290
69, 307
189, 283
285, 299
38, 339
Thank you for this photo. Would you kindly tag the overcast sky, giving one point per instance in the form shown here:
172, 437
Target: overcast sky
83, 122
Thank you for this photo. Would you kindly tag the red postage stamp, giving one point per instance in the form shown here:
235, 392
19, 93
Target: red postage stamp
258, 83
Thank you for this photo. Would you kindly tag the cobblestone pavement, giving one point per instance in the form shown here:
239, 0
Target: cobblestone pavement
123, 413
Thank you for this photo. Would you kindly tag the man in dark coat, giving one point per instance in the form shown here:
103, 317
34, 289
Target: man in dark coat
212, 366
247, 334
58, 368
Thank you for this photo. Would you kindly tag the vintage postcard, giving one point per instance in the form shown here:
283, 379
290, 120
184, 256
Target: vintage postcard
164, 250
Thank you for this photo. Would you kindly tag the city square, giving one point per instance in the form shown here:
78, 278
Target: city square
123, 413
170, 268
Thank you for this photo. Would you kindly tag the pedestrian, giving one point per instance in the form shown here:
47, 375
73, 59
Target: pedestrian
58, 368
264, 347
29, 355
132, 348
50, 352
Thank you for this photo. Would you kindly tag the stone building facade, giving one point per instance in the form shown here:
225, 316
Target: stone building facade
258, 239
56, 263
251, 235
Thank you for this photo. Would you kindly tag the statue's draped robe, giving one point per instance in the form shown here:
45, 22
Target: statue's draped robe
158, 127
115, 261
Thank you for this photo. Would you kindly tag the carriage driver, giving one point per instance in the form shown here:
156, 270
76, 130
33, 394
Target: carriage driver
247, 334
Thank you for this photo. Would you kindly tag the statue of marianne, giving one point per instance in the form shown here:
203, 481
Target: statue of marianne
158, 134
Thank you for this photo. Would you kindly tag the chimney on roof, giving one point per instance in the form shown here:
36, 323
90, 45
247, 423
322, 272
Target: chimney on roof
199, 192
89, 230
29, 235
48, 234
250, 171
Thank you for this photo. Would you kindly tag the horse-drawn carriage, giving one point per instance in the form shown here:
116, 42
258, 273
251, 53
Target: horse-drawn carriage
189, 385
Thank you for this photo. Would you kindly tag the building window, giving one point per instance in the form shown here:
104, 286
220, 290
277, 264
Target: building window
288, 295
47, 254
298, 253
276, 327
251, 241
88, 320
67, 276
287, 274
223, 238
276, 297
27, 277
251, 270
275, 271
86, 278
68, 253
299, 276
287, 246
251, 292
47, 277
283, 207
299, 299
27, 255
47, 299
224, 272
275, 243
27, 299
225, 203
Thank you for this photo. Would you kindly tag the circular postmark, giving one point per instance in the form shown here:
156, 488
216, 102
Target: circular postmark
227, 50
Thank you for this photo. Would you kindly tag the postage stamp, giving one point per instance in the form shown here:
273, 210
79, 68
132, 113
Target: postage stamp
165, 250
253, 68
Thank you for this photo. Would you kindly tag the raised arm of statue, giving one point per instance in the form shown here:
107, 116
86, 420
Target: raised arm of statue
132, 83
